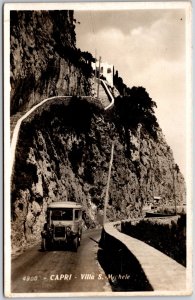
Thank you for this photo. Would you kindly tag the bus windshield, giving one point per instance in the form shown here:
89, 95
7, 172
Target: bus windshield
65, 214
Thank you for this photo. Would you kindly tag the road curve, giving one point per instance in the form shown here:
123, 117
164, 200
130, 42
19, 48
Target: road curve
60, 270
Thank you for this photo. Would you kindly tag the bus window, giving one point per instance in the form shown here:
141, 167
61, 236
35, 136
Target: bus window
76, 214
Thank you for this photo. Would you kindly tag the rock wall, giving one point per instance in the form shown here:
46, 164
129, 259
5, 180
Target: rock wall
65, 156
43, 57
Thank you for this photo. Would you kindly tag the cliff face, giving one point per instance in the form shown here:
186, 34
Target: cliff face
44, 59
66, 156
64, 149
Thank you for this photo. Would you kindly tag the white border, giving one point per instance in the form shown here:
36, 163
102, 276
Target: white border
189, 144
7, 154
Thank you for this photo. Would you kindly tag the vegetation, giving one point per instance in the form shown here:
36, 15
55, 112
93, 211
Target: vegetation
134, 106
137, 108
120, 85
167, 235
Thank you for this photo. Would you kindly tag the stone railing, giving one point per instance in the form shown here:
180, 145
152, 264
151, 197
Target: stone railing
38, 108
108, 94
138, 266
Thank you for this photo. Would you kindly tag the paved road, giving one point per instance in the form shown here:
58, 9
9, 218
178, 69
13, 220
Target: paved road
60, 271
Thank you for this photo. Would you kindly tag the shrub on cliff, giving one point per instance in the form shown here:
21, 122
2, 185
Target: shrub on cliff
120, 85
137, 108
167, 235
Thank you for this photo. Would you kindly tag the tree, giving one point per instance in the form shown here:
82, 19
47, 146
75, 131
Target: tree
135, 108
88, 57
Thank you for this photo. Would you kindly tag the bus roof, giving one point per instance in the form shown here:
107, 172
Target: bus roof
65, 204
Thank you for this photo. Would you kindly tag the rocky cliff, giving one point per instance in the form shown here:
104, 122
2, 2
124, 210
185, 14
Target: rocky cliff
44, 60
63, 151
65, 156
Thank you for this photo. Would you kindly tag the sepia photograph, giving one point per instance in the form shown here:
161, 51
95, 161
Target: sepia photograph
97, 149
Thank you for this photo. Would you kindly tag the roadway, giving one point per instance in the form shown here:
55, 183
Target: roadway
60, 270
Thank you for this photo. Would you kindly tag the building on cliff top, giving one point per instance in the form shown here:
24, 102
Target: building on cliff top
106, 70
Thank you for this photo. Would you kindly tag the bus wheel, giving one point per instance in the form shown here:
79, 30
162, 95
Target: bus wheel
44, 245
75, 244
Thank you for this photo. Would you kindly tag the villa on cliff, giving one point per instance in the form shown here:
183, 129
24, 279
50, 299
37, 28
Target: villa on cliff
106, 70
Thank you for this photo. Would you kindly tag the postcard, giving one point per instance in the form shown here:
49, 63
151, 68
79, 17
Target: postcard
97, 149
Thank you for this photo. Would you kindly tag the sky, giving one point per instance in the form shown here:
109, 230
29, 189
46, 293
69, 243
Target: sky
147, 47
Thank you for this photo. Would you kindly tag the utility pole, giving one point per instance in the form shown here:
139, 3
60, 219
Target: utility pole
95, 66
174, 195
98, 87
108, 183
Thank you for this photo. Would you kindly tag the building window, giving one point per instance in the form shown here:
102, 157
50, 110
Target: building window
109, 70
101, 70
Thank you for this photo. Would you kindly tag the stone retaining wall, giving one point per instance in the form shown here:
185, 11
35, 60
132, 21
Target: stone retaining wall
132, 265
120, 265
